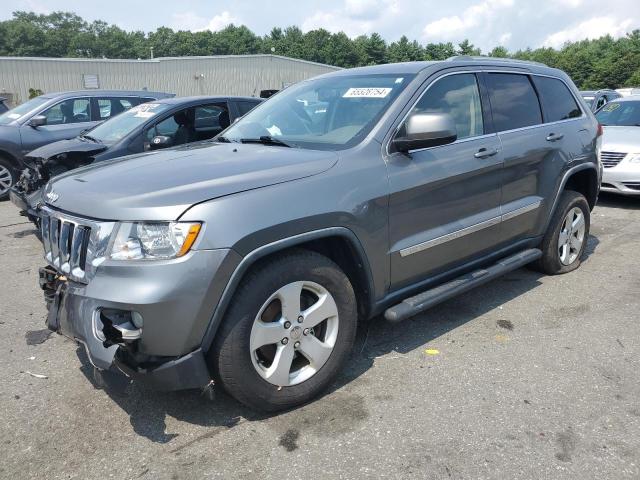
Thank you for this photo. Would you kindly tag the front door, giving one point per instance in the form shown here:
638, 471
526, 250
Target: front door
66, 119
444, 204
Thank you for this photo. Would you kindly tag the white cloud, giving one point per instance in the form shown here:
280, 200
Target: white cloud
354, 17
505, 38
473, 16
592, 28
194, 22
218, 22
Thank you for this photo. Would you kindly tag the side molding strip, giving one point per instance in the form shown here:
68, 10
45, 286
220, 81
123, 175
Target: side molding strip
469, 230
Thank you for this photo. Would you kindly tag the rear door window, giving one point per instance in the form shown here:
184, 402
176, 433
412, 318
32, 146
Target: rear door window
514, 102
109, 107
557, 101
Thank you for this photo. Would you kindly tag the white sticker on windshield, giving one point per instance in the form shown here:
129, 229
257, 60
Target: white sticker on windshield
13, 115
145, 110
367, 92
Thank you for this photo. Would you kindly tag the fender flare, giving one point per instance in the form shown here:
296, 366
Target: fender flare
249, 260
563, 183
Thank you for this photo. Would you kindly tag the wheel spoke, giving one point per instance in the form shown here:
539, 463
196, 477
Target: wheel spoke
266, 333
578, 222
317, 352
289, 296
278, 372
563, 237
564, 253
324, 308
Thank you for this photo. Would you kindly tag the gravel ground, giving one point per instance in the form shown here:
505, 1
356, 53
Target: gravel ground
527, 377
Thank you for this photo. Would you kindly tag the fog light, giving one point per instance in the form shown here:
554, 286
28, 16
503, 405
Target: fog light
136, 319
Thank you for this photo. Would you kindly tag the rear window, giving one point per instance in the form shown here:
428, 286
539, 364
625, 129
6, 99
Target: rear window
557, 101
514, 102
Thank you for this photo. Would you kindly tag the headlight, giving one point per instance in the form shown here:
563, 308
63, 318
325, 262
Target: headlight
153, 240
633, 158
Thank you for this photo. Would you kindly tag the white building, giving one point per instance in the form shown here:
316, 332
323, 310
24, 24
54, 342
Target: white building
225, 75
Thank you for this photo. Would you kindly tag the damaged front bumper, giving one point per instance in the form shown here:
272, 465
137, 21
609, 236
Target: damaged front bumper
138, 320
27, 203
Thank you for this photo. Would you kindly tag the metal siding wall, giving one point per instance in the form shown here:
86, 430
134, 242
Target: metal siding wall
225, 75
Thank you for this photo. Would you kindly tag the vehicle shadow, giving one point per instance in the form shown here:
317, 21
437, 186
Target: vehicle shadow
376, 339
611, 200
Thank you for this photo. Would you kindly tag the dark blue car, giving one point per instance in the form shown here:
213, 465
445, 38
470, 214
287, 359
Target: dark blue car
56, 116
149, 126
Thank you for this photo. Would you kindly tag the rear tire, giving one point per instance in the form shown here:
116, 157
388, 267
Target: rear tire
8, 177
567, 235
301, 296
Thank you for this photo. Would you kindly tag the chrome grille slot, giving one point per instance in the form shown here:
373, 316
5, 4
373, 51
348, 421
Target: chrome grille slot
74, 246
611, 159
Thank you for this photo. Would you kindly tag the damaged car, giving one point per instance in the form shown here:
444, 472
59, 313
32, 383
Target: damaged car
249, 260
56, 116
151, 126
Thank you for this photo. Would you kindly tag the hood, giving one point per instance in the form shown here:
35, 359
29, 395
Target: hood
621, 139
162, 185
73, 146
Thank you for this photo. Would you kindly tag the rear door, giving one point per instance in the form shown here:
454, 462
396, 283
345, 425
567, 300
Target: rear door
65, 119
444, 204
536, 142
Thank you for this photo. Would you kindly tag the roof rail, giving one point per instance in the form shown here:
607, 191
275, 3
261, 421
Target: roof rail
493, 59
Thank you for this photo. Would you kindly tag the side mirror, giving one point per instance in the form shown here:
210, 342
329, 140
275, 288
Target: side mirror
424, 130
38, 121
160, 141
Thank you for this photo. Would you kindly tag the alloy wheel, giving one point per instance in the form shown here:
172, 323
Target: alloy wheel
294, 333
571, 236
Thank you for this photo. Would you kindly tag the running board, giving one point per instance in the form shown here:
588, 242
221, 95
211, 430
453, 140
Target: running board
427, 299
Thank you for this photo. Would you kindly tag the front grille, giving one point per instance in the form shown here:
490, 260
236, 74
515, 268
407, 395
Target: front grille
73, 246
611, 159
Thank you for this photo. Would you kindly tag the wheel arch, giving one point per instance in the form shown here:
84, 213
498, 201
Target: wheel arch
584, 181
11, 159
582, 178
339, 244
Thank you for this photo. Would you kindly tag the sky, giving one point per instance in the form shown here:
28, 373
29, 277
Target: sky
514, 24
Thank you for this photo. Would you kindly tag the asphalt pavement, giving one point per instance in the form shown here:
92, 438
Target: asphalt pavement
529, 377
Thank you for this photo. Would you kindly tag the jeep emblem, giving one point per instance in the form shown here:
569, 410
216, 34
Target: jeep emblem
52, 196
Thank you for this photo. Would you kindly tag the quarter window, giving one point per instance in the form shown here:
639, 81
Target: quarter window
74, 110
459, 96
557, 100
514, 102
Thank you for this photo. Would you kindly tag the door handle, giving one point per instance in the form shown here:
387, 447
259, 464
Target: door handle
485, 152
552, 137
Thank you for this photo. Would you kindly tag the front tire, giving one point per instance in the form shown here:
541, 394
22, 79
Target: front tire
566, 237
8, 177
288, 332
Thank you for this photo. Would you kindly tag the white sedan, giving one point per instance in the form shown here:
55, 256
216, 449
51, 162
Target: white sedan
620, 151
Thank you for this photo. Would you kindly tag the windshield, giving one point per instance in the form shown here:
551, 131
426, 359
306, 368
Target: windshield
15, 113
116, 128
588, 99
620, 114
326, 114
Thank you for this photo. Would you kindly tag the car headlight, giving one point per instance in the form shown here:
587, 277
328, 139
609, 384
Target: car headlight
153, 240
633, 158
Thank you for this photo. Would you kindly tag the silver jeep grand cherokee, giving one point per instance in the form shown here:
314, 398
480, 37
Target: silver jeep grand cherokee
249, 259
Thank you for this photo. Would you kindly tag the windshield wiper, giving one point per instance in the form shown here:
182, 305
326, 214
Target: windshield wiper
266, 140
89, 137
